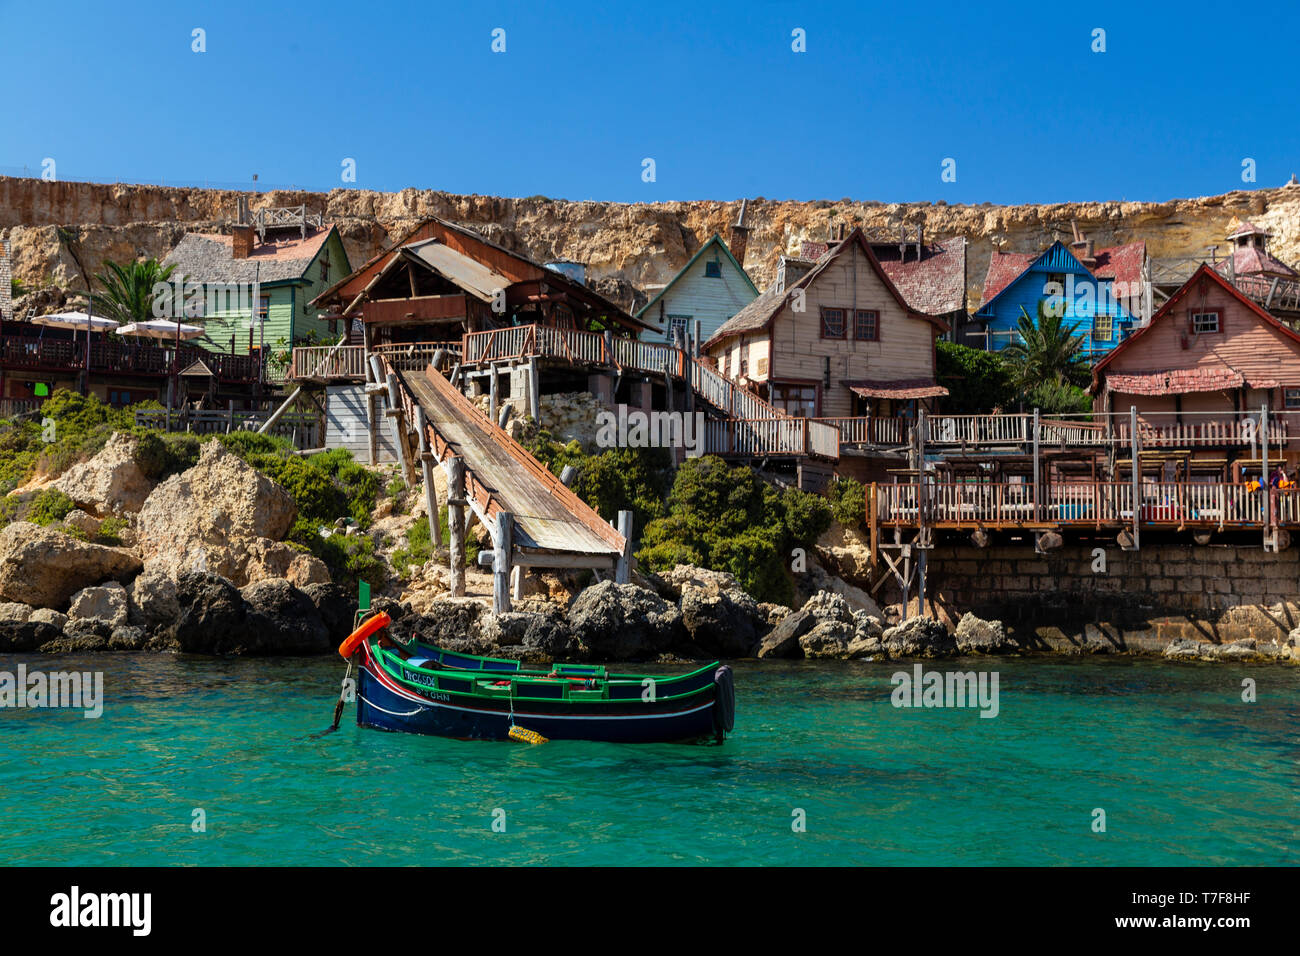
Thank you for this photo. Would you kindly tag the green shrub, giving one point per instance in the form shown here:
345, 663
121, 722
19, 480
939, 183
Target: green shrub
110, 530
848, 500
48, 506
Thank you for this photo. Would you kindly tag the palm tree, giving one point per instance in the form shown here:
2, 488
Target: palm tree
130, 290
1048, 351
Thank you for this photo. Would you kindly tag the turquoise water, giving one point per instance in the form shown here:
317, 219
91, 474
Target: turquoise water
1185, 771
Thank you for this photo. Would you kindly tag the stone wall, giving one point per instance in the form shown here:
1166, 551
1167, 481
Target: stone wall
1131, 600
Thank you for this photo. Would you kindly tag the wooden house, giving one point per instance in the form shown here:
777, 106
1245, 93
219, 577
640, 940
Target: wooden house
1198, 375
1097, 292
285, 258
835, 340
705, 293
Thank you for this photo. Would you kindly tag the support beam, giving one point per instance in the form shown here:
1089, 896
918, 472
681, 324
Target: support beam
534, 390
503, 546
1135, 451
426, 475
623, 570
1263, 478
398, 418
516, 582
455, 468
492, 393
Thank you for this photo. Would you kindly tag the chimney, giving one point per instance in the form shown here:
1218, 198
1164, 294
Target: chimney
241, 241
1083, 248
740, 236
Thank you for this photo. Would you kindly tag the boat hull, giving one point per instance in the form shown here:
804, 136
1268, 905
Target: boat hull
385, 703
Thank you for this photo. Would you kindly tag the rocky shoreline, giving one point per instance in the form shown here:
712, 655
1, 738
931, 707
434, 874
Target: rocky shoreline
201, 567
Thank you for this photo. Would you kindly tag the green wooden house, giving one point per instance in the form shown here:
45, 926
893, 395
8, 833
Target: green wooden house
709, 289
258, 282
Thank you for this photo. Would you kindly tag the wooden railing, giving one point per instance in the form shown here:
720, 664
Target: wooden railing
302, 427
328, 362
10, 407
126, 357
869, 430
416, 356
1083, 503
770, 437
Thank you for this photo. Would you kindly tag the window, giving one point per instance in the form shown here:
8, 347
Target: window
1103, 328
832, 323
1292, 397
678, 325
866, 326
744, 367
1205, 322
762, 367
713, 269
797, 400
264, 308
722, 363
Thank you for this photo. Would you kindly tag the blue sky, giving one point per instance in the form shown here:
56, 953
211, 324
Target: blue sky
713, 93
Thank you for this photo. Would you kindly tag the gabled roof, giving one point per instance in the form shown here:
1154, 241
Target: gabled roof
1253, 261
1248, 229
207, 257
759, 314
714, 240
471, 275
934, 283
1119, 263
1204, 272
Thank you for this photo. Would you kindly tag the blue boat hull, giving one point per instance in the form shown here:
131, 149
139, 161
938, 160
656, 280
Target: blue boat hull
385, 704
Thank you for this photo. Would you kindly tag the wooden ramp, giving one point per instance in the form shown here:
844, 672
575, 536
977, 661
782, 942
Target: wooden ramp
551, 523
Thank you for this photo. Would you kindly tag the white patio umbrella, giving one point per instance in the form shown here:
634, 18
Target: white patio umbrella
162, 329
77, 321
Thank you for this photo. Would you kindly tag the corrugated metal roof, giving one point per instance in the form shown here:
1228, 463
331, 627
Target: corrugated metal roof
471, 275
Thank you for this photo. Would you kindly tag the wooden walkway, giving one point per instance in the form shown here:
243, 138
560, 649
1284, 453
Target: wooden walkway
501, 476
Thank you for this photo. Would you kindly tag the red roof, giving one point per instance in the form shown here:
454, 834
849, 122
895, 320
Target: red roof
1248, 229
907, 388
1180, 381
1250, 260
1118, 263
1004, 269
934, 283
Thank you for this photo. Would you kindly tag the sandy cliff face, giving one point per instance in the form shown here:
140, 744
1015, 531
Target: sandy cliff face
625, 245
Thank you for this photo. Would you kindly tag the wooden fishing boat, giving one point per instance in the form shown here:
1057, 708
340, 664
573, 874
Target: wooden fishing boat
421, 689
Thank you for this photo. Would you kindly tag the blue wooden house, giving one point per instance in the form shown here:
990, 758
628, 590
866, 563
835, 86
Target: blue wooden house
1098, 292
709, 289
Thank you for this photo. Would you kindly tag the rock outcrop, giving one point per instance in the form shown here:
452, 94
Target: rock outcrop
110, 483
624, 622
220, 517
977, 636
43, 567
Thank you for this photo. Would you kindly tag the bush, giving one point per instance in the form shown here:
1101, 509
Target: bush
48, 506
728, 519
977, 381
848, 500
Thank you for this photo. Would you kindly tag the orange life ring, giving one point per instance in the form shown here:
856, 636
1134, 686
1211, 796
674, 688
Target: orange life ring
368, 627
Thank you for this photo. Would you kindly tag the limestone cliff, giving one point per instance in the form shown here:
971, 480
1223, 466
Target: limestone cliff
626, 246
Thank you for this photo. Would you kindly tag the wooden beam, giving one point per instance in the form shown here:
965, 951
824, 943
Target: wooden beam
566, 560
455, 468
426, 474
504, 545
623, 569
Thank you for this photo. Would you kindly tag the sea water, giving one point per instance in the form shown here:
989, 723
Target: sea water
1094, 761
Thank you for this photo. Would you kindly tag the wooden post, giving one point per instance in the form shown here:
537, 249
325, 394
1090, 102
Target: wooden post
873, 522
502, 548
568, 475
426, 474
398, 417
517, 582
695, 340
492, 392
1134, 474
920, 578
1037, 470
456, 502
623, 569
1266, 488
534, 390
608, 340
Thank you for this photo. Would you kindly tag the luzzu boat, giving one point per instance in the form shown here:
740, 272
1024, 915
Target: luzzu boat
421, 689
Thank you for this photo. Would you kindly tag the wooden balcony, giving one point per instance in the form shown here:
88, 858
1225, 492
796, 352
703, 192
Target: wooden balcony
771, 438
1082, 504
51, 355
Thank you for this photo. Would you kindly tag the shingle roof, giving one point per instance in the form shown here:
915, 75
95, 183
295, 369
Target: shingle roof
1179, 381
902, 389
935, 283
205, 257
713, 241
1247, 229
1252, 261
1120, 263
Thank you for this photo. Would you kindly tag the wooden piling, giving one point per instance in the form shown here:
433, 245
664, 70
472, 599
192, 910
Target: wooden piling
426, 474
623, 569
503, 546
456, 522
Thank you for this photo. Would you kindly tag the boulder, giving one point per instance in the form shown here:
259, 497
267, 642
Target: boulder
111, 482
152, 601
721, 619
783, 640
104, 603
846, 552
977, 636
220, 517
21, 630
213, 615
127, 638
827, 640
868, 632
45, 615
529, 635
82, 521
283, 620
43, 567
624, 622
336, 608
919, 637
